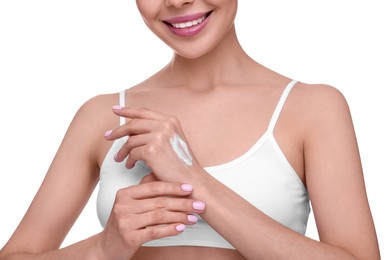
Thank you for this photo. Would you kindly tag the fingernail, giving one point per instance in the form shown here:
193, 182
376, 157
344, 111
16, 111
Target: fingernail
117, 107
198, 205
108, 133
186, 187
180, 227
192, 218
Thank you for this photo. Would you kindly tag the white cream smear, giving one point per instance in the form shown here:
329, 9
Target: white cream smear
181, 149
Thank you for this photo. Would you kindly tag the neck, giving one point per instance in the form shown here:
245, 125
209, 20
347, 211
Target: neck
225, 64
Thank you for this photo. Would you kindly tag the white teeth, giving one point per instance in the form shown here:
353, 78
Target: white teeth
188, 24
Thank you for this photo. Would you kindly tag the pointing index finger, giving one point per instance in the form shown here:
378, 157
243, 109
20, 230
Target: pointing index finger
157, 188
141, 113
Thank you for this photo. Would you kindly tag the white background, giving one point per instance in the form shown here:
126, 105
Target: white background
54, 55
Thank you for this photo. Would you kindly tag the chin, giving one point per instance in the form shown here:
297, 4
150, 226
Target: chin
193, 50
190, 55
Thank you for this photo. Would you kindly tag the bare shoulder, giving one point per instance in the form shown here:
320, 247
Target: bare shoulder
320, 104
320, 96
89, 124
97, 110
99, 104
333, 171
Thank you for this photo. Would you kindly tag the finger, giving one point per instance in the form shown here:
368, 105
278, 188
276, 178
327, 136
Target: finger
135, 154
148, 178
170, 122
161, 231
169, 204
158, 217
147, 153
153, 218
132, 127
155, 189
141, 113
132, 142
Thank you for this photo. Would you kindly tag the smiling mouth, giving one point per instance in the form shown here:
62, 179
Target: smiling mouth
189, 23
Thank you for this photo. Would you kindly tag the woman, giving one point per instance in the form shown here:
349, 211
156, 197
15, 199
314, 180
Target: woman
213, 157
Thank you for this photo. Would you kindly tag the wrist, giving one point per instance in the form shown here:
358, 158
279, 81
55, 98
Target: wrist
201, 181
97, 251
107, 248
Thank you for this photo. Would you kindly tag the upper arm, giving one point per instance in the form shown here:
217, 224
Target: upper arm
67, 186
334, 174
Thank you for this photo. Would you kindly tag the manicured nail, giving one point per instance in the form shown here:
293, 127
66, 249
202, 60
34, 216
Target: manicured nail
186, 187
192, 218
117, 107
108, 133
198, 205
180, 227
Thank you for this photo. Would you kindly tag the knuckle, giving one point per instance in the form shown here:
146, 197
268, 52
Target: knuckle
150, 151
169, 188
159, 138
154, 233
168, 127
160, 202
154, 187
158, 216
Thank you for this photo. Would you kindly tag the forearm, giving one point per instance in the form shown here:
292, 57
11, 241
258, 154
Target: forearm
251, 232
85, 249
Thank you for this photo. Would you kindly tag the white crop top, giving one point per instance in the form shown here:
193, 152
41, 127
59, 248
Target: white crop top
262, 176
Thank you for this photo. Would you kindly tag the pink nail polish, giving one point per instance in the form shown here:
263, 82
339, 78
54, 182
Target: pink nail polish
198, 205
192, 218
186, 187
117, 107
180, 227
108, 133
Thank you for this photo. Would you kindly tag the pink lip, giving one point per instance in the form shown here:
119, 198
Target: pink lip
186, 18
190, 31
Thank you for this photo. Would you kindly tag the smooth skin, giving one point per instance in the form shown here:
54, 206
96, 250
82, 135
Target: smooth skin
220, 103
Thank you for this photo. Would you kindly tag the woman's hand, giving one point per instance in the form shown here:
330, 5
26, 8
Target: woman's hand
145, 212
156, 139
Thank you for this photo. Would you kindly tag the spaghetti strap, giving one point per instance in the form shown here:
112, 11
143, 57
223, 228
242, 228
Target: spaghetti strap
122, 103
280, 105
